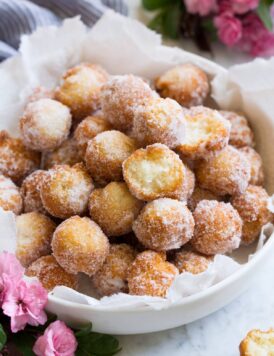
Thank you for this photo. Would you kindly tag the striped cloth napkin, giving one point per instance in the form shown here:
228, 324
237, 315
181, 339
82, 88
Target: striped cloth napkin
18, 17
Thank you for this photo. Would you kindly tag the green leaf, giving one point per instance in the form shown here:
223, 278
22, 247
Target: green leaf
156, 23
3, 337
95, 344
171, 20
84, 331
263, 12
209, 28
157, 4
24, 343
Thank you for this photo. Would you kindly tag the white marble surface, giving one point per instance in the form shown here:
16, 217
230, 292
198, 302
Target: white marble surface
220, 333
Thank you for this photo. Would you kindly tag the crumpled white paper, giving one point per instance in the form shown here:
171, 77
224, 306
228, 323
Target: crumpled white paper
122, 46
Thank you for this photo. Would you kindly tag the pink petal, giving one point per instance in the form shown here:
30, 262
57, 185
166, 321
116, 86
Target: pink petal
11, 266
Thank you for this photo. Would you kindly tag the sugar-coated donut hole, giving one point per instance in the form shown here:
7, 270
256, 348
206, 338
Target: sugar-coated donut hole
218, 228
226, 173
164, 224
207, 133
88, 129
30, 190
192, 262
186, 83
33, 237
65, 190
114, 208
257, 342
120, 98
51, 274
112, 277
66, 153
159, 121
79, 245
80, 89
154, 172
16, 161
256, 164
45, 124
200, 194
151, 275
38, 93
188, 186
241, 134
252, 207
10, 197
105, 154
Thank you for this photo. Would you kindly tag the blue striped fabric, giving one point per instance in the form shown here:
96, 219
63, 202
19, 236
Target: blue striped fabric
19, 17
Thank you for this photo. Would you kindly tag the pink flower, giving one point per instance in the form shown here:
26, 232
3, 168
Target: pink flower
11, 272
58, 340
243, 6
257, 39
24, 304
229, 28
201, 7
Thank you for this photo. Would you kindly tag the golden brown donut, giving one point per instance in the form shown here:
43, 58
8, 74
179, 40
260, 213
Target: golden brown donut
30, 190
252, 207
45, 124
16, 161
164, 224
79, 245
186, 83
89, 128
200, 194
154, 172
51, 274
256, 164
65, 190
66, 153
227, 173
258, 343
80, 89
121, 96
114, 208
159, 121
207, 133
105, 154
218, 228
241, 134
151, 275
112, 277
34, 232
10, 197
192, 262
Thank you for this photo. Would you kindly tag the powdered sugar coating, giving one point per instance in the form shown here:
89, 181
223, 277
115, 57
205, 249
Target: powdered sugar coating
38, 93
241, 134
88, 129
80, 89
121, 96
256, 164
114, 208
200, 194
227, 173
65, 190
164, 224
16, 161
192, 262
66, 153
154, 172
10, 197
51, 274
105, 154
112, 277
218, 228
30, 191
159, 121
207, 132
151, 275
188, 186
79, 245
33, 232
45, 124
186, 83
252, 207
